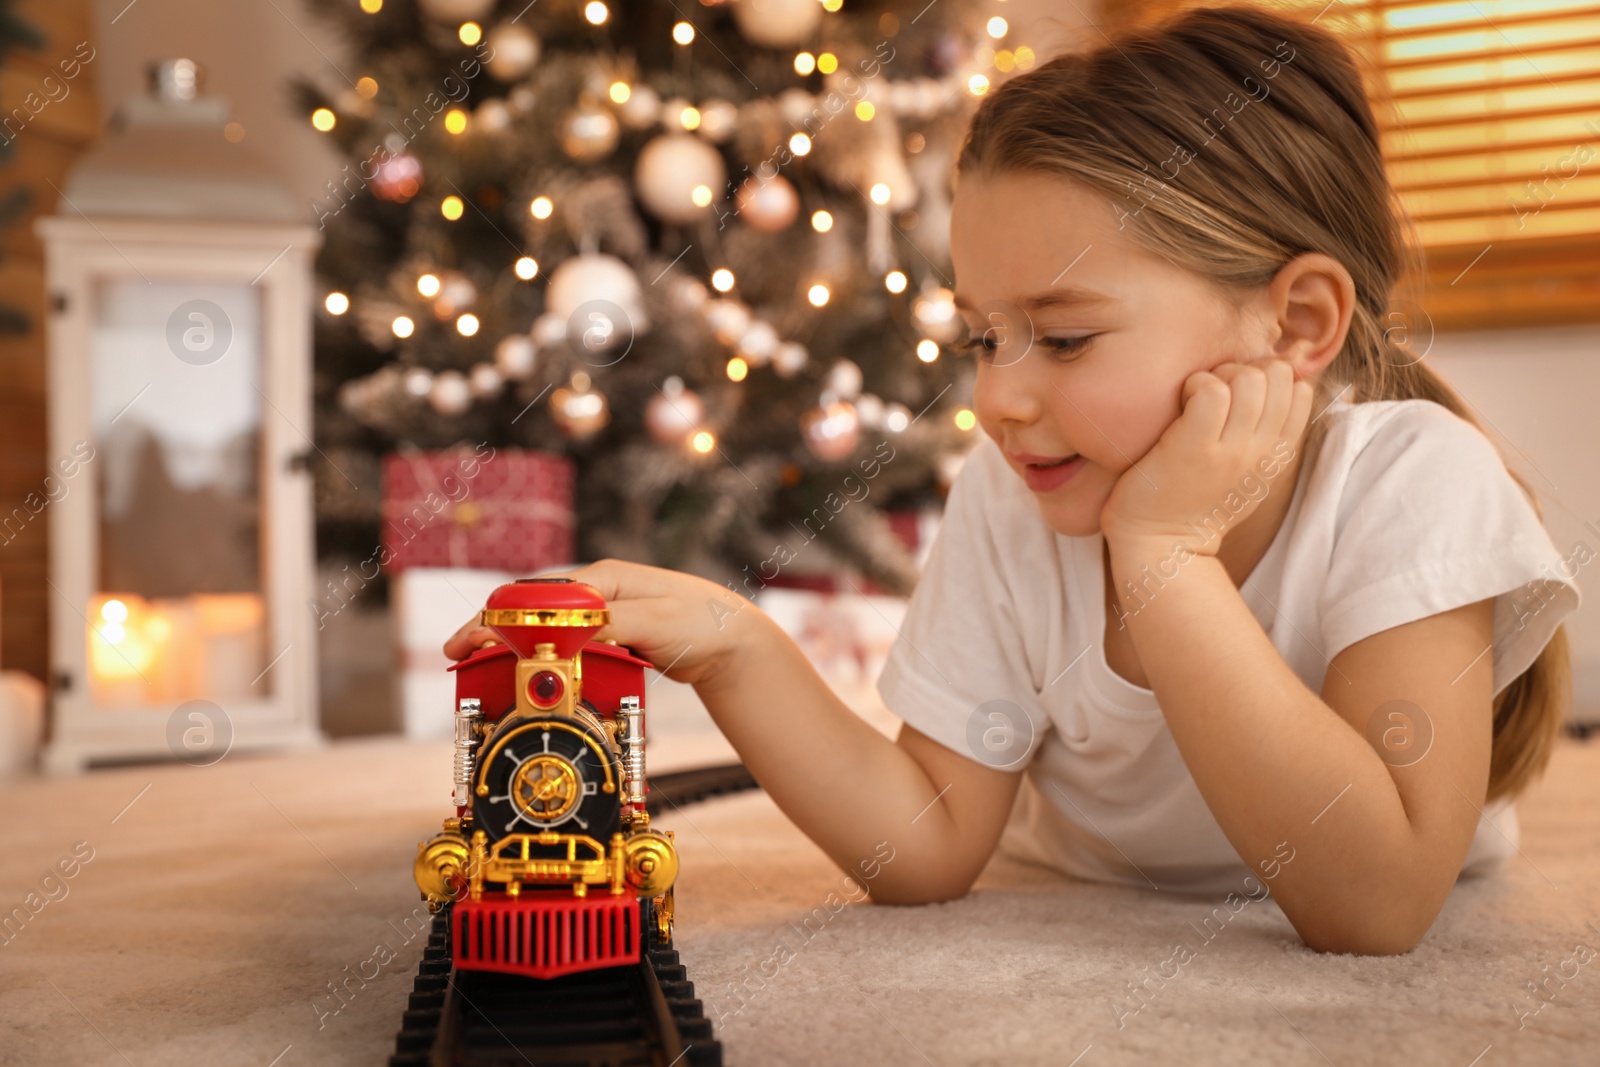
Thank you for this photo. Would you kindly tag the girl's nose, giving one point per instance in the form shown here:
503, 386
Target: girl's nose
1007, 389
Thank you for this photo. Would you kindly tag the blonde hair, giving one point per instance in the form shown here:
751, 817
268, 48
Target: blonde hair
1231, 139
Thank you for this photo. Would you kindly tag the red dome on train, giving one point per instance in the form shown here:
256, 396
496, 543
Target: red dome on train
533, 611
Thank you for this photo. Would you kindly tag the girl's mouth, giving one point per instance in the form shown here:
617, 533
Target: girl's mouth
1043, 477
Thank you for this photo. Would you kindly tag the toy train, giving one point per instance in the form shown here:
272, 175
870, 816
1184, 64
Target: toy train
549, 865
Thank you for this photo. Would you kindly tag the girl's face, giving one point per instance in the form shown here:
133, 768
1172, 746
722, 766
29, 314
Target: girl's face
1115, 331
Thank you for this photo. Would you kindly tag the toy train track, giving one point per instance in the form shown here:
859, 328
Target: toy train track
620, 1017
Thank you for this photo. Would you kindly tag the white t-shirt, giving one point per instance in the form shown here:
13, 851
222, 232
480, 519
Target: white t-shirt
1406, 511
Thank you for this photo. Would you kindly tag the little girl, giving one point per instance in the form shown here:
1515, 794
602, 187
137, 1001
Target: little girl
1235, 592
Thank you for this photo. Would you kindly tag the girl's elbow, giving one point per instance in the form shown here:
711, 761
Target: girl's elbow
922, 892
1365, 935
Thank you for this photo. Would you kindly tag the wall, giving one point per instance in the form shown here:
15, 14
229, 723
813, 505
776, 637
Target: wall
1535, 392
57, 121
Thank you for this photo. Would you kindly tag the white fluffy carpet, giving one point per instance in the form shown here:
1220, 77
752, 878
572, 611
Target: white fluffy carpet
217, 909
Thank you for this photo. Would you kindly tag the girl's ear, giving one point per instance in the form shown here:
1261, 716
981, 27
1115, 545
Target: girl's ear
1309, 303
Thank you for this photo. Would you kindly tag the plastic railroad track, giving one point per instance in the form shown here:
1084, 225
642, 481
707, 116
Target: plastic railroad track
644, 1016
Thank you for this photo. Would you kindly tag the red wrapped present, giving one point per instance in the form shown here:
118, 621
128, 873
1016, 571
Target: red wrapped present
498, 509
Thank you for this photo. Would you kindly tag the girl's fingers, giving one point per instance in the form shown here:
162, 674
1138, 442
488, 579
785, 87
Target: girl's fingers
1205, 405
1247, 395
468, 639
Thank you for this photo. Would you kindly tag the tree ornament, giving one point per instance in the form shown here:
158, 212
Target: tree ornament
728, 320
451, 394
790, 359
492, 116
398, 178
455, 12
844, 380
670, 170
777, 23
690, 294
597, 299
549, 329
486, 381
768, 205
719, 120
674, 413
456, 294
641, 109
758, 344
578, 410
832, 430
515, 356
870, 410
417, 381
515, 51
589, 132
934, 312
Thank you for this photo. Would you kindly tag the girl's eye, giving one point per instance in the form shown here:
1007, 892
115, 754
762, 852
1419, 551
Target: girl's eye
984, 346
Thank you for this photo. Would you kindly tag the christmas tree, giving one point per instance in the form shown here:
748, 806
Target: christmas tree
701, 250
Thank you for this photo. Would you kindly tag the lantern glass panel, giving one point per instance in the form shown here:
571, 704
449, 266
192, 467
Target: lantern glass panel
175, 407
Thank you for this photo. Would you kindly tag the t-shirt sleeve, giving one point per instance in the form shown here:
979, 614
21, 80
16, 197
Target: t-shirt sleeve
1429, 520
958, 671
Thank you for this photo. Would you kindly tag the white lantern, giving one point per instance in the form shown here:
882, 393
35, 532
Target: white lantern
181, 558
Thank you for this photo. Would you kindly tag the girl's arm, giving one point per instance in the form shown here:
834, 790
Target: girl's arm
858, 795
1375, 846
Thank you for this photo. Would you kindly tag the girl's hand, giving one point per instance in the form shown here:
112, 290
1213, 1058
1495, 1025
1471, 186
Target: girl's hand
1240, 423
687, 626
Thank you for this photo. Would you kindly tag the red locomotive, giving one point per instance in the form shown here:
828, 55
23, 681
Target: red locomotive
549, 865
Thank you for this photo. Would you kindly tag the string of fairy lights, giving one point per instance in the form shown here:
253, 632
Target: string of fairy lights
676, 175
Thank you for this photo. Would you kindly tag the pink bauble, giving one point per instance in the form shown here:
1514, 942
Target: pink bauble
769, 205
832, 431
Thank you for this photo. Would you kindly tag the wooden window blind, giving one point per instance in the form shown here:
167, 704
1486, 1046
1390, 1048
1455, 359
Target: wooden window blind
1491, 131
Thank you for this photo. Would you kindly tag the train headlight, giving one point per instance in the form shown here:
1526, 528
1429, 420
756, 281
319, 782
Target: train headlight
545, 689
651, 863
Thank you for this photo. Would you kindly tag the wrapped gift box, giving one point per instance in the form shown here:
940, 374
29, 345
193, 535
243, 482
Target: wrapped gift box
492, 509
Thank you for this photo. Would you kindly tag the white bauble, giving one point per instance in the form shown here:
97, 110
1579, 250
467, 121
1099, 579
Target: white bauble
594, 276
870, 410
641, 109
453, 12
728, 319
485, 380
456, 294
549, 329
718, 121
515, 357
669, 170
418, 381
516, 50
589, 133
778, 23
759, 342
451, 394
934, 312
844, 379
691, 293
790, 359
493, 116
597, 301
896, 417
795, 105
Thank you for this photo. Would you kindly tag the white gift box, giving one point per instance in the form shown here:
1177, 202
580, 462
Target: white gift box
21, 722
